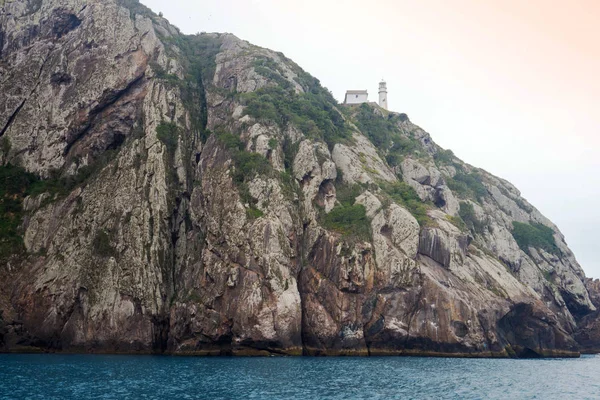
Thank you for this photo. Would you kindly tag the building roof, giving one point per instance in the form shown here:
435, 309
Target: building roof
356, 92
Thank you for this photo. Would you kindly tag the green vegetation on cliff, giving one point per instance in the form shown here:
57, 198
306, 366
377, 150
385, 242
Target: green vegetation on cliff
101, 244
467, 214
385, 134
406, 196
200, 52
246, 165
444, 157
272, 71
313, 113
457, 221
468, 185
348, 218
168, 134
136, 8
196, 54
5, 146
534, 235
15, 185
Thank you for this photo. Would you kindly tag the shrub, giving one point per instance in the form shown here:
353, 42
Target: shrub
522, 205
266, 62
15, 181
393, 159
381, 131
385, 134
347, 194
349, 220
534, 235
404, 194
310, 84
457, 221
268, 68
202, 50
548, 276
467, 213
445, 157
231, 141
468, 185
11, 192
289, 185
313, 113
168, 134
101, 245
15, 185
403, 145
197, 55
253, 213
162, 74
135, 7
263, 106
5, 145
290, 150
246, 165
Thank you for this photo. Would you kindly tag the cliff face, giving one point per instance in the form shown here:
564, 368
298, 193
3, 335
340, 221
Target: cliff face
201, 195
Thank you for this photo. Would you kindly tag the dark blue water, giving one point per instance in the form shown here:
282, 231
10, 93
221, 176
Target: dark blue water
153, 377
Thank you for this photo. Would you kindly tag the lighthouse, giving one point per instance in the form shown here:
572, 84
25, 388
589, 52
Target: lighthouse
383, 102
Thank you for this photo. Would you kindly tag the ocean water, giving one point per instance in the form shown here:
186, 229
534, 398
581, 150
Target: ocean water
50, 376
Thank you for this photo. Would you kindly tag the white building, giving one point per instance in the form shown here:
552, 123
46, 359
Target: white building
356, 97
383, 103
361, 96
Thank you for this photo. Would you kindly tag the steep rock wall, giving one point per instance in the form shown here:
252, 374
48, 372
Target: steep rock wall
202, 195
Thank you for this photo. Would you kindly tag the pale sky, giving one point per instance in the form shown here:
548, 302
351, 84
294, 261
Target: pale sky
511, 86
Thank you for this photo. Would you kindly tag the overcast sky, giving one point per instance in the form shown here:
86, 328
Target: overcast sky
511, 86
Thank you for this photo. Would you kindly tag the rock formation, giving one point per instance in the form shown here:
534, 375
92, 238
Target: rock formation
201, 195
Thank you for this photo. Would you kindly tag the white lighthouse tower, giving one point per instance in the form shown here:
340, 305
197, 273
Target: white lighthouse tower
383, 102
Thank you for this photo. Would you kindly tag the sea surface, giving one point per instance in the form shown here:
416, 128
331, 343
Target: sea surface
51, 376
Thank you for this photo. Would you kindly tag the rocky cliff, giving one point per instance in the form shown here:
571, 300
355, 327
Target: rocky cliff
201, 195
